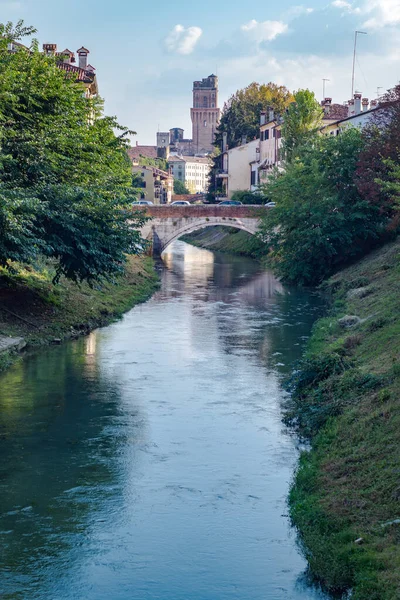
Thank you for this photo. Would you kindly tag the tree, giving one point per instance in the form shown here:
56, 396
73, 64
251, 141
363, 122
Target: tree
180, 188
65, 177
302, 121
241, 114
377, 166
320, 220
241, 119
247, 197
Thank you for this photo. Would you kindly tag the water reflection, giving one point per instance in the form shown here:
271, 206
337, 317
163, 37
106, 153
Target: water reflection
149, 459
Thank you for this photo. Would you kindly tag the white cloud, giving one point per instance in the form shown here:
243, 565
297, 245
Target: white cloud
265, 31
383, 12
181, 40
346, 6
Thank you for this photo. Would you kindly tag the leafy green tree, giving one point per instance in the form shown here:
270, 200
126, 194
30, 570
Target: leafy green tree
86, 232
18, 238
247, 197
180, 188
66, 165
320, 220
377, 170
301, 123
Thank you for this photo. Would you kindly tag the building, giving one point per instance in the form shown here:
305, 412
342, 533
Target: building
193, 171
157, 185
205, 114
270, 145
359, 114
84, 72
179, 144
138, 151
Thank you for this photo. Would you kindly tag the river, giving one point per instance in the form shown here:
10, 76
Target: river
148, 461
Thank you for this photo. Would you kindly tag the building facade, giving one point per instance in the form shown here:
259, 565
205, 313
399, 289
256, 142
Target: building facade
193, 171
157, 185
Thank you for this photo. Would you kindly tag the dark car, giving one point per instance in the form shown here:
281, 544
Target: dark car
230, 203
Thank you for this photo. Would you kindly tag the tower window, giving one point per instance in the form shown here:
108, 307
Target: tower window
205, 123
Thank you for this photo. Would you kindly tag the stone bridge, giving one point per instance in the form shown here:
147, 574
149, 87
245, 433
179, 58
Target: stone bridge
168, 223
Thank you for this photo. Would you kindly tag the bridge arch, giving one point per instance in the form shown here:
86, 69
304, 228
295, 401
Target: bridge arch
168, 223
196, 226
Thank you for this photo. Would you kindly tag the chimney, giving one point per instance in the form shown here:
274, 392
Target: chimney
351, 108
49, 48
244, 140
263, 117
357, 103
365, 103
224, 141
83, 54
374, 104
271, 115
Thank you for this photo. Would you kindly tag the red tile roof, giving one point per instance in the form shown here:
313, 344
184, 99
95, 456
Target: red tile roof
81, 74
146, 151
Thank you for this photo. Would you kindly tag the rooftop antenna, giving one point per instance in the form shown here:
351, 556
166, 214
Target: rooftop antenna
356, 33
323, 87
377, 90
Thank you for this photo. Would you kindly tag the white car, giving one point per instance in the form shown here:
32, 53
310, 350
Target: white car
270, 204
180, 203
142, 203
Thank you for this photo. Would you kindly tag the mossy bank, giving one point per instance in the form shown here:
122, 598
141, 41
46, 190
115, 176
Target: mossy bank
345, 499
226, 239
41, 313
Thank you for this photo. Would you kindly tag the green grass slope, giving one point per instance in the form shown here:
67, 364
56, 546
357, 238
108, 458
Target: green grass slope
345, 499
226, 239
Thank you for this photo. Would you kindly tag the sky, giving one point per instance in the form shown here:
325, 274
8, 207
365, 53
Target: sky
147, 54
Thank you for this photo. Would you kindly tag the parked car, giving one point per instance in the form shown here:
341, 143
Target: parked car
180, 203
142, 203
270, 204
230, 203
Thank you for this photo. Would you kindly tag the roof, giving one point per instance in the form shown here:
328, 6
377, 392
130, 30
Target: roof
81, 74
335, 112
83, 49
196, 159
360, 114
146, 151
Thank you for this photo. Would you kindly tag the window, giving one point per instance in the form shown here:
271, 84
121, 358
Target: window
266, 134
262, 136
253, 178
205, 123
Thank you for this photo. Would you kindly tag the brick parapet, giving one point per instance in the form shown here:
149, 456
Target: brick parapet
210, 210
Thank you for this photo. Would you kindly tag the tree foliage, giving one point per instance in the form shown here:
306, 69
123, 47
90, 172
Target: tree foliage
302, 120
377, 171
320, 220
247, 197
180, 188
65, 177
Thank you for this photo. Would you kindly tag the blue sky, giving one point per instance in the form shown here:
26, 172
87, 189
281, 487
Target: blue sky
147, 54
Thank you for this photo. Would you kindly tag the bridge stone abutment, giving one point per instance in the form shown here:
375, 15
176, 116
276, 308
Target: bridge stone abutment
167, 223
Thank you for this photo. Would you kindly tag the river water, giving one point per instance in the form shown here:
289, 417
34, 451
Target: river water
148, 461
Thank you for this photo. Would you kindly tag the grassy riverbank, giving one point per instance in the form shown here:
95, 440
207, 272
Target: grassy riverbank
346, 496
226, 239
33, 308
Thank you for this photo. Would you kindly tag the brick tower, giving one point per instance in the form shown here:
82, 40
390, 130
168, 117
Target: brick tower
205, 114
